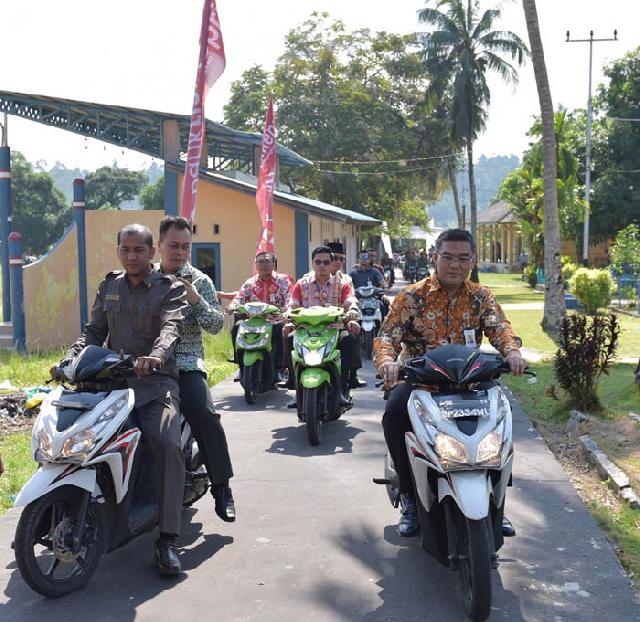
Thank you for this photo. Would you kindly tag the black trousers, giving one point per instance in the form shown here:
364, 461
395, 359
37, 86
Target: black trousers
350, 355
278, 344
197, 407
395, 422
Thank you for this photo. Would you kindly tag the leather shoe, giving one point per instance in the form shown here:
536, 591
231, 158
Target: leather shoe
345, 402
167, 560
292, 404
225, 507
355, 382
508, 530
409, 524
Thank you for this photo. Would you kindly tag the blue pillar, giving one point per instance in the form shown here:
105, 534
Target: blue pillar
17, 291
78, 218
170, 192
5, 228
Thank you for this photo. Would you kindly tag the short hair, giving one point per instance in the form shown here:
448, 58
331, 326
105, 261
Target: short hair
321, 249
455, 235
178, 222
134, 229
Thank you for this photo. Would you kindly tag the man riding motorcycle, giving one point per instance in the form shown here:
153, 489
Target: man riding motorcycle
268, 286
203, 313
140, 311
364, 274
445, 308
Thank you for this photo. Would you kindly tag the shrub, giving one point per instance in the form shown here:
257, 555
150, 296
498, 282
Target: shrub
625, 251
587, 347
530, 275
592, 288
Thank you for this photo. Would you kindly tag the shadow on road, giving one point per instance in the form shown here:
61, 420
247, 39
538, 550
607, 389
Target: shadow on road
127, 572
336, 437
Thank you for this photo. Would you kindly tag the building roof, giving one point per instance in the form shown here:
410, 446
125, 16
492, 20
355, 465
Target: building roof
498, 213
136, 128
297, 201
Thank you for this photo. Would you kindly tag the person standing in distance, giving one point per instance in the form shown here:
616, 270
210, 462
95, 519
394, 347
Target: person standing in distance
203, 313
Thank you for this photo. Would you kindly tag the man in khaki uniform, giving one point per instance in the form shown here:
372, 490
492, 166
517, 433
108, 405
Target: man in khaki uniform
139, 311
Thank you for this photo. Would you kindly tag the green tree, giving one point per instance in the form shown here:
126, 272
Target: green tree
347, 97
615, 191
40, 211
459, 52
152, 195
109, 186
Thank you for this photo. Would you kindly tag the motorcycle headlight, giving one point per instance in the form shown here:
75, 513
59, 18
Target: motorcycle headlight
299, 348
43, 451
79, 446
490, 447
450, 450
313, 357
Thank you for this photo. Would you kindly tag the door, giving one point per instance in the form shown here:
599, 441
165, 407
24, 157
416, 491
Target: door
206, 257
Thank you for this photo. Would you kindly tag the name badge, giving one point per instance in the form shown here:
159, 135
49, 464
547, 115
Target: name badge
272, 298
112, 296
470, 337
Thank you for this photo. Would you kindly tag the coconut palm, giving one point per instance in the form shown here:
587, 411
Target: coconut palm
459, 52
554, 305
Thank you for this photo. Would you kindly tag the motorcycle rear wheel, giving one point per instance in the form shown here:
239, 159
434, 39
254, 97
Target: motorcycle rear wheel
42, 543
474, 550
312, 414
367, 344
250, 383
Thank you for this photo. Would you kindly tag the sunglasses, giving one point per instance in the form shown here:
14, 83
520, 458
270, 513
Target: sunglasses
322, 262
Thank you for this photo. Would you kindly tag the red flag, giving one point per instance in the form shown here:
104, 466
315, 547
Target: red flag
266, 183
211, 64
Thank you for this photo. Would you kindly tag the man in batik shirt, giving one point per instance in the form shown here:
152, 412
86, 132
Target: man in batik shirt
445, 308
268, 286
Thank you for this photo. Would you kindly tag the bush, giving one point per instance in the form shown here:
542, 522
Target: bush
530, 275
592, 288
587, 347
569, 268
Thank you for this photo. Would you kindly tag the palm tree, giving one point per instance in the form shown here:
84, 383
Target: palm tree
554, 305
458, 53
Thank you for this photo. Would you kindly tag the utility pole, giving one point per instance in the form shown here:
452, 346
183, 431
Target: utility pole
587, 172
5, 217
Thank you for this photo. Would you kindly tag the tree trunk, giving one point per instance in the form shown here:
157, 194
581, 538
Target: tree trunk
454, 191
554, 306
473, 206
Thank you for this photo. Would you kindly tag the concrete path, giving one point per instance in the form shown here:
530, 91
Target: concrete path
316, 541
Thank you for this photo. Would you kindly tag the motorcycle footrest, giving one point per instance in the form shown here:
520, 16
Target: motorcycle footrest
381, 480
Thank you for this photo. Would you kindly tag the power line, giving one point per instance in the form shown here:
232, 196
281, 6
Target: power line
354, 162
361, 173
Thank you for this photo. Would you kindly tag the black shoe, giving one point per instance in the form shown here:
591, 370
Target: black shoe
345, 402
225, 507
508, 530
355, 382
409, 524
167, 560
280, 378
293, 404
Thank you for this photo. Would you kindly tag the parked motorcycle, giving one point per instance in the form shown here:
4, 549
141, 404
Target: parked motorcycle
95, 488
370, 303
254, 349
422, 272
460, 451
316, 364
410, 272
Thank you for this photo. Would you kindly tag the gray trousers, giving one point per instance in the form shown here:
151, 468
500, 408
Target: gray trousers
160, 424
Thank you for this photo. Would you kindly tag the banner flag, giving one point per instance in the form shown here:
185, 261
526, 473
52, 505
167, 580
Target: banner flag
211, 64
266, 183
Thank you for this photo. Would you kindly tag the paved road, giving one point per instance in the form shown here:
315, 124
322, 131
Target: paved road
316, 541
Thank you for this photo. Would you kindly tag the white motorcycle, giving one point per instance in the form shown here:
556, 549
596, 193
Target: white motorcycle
370, 303
460, 453
95, 488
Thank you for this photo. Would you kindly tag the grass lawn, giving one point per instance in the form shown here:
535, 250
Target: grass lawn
32, 369
510, 288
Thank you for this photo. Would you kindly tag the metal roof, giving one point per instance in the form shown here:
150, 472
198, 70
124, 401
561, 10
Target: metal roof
136, 128
297, 201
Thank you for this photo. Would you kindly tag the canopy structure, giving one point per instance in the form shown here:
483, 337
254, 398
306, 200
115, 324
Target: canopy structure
142, 130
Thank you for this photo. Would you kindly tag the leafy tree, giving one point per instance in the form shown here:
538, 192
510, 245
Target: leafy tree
109, 186
459, 52
40, 211
152, 195
347, 97
616, 158
625, 251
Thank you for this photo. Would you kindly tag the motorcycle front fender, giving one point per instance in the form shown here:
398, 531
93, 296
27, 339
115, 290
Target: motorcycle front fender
470, 490
51, 476
250, 357
368, 326
313, 377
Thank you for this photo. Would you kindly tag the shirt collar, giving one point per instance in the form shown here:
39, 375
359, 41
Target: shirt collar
435, 285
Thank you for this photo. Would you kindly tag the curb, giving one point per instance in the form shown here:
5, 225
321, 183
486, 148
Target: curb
615, 477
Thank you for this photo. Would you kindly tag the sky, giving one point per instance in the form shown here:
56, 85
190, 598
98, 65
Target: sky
143, 53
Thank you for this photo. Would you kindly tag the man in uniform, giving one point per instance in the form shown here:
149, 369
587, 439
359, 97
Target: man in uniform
203, 314
139, 311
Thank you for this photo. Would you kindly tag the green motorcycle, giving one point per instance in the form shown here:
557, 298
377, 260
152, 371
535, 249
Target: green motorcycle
316, 365
254, 349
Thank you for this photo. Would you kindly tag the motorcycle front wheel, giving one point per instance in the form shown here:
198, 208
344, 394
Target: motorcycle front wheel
250, 375
474, 562
43, 543
367, 344
312, 414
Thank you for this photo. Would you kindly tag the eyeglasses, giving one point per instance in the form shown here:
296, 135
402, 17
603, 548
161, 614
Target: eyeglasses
322, 262
264, 261
338, 258
461, 260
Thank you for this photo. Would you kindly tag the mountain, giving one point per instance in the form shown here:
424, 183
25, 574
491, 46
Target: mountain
489, 173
